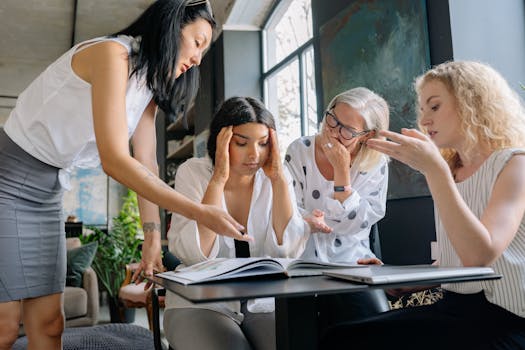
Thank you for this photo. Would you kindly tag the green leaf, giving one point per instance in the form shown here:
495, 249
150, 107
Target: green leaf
120, 246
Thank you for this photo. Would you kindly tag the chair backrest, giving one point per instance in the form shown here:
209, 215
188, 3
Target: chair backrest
73, 229
407, 230
169, 260
375, 242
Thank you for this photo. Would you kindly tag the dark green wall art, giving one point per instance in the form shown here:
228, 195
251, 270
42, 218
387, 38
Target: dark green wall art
382, 45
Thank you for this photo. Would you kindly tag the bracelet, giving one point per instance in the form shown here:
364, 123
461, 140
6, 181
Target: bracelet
346, 188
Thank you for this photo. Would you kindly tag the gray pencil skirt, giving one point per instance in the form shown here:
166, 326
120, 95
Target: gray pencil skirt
32, 238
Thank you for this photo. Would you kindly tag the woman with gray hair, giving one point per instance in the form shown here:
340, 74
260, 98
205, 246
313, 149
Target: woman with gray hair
341, 187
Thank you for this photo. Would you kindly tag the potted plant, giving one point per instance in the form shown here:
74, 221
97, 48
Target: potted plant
120, 246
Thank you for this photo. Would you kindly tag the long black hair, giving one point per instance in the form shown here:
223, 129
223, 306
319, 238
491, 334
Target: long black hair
237, 111
159, 28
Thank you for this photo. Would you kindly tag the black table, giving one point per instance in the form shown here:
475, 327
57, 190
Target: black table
295, 313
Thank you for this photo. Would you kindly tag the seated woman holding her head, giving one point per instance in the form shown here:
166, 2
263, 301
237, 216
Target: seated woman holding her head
244, 175
469, 113
341, 188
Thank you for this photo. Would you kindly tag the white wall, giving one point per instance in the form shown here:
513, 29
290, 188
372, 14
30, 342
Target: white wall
492, 32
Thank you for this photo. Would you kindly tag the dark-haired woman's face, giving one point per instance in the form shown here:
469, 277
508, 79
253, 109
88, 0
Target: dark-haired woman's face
195, 39
249, 148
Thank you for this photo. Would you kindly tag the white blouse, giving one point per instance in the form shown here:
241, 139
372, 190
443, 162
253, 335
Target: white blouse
192, 181
53, 118
351, 221
508, 292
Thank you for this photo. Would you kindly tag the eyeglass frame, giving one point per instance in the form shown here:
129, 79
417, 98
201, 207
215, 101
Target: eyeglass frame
341, 126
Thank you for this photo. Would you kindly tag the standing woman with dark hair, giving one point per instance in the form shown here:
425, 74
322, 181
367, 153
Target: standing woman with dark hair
244, 175
80, 112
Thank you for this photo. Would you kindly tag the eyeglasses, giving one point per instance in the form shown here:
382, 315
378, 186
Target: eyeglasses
346, 132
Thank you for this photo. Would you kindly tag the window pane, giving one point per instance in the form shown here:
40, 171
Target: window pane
310, 108
290, 27
283, 100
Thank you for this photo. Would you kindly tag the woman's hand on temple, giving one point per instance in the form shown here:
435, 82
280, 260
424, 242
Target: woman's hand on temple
273, 167
221, 170
316, 222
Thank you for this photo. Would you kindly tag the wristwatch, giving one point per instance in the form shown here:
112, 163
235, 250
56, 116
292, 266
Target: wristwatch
346, 188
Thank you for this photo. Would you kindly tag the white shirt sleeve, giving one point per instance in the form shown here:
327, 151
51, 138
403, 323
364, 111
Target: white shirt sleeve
183, 236
298, 175
364, 207
295, 234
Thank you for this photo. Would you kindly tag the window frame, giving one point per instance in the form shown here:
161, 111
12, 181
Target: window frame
298, 54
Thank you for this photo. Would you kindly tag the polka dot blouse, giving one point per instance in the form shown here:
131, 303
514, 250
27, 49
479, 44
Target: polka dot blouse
351, 220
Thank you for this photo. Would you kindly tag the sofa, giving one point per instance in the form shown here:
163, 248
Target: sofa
81, 304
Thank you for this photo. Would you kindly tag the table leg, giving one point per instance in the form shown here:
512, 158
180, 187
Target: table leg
296, 323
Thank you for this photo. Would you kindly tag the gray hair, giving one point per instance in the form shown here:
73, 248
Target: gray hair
374, 110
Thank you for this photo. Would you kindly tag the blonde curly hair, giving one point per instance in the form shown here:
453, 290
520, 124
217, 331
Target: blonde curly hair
489, 110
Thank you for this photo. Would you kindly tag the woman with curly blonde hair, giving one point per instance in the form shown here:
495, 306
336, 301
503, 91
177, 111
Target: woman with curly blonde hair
470, 114
483, 96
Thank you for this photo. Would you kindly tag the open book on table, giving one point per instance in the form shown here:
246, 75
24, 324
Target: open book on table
224, 268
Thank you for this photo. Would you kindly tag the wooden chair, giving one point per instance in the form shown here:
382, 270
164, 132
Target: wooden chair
134, 296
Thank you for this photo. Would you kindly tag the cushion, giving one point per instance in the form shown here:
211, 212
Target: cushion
134, 293
75, 302
114, 336
78, 260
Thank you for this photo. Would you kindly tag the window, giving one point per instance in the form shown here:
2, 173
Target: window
288, 72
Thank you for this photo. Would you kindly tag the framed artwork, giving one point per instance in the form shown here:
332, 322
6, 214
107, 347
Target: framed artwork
381, 45
88, 197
